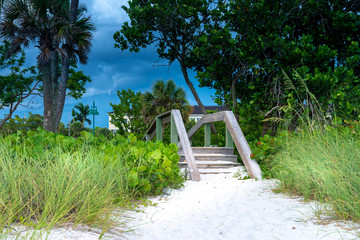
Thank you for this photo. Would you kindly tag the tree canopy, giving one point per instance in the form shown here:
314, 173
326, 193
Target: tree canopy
164, 96
80, 113
252, 46
170, 26
62, 33
126, 114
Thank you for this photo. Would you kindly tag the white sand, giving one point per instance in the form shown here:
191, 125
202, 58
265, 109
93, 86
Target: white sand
227, 208
223, 207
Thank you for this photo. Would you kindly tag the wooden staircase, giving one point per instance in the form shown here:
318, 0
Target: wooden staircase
206, 160
211, 160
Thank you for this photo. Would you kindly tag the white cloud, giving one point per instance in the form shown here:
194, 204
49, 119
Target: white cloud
109, 11
90, 92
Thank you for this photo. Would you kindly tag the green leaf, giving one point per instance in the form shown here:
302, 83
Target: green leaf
142, 168
145, 184
156, 154
133, 179
166, 163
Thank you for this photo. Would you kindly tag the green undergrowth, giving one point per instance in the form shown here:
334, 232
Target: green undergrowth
48, 179
323, 165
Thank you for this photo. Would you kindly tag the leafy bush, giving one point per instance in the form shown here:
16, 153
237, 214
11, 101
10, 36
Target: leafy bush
103, 131
263, 151
48, 179
32, 122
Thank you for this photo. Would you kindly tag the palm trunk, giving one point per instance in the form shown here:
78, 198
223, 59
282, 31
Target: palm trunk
48, 97
61, 94
65, 65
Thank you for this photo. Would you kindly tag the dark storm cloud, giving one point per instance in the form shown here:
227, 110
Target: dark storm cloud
112, 70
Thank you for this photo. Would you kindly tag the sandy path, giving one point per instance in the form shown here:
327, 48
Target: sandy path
221, 208
227, 208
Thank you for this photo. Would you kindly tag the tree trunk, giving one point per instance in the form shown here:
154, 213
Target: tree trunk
73, 10
11, 111
65, 65
49, 105
196, 96
61, 95
234, 99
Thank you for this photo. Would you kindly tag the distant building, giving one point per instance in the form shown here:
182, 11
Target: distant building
112, 127
195, 115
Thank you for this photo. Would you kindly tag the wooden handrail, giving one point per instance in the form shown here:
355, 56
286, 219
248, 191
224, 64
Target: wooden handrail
242, 145
174, 116
237, 135
150, 133
185, 143
210, 118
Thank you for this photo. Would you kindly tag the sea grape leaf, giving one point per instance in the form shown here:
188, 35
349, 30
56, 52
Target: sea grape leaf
156, 154
133, 179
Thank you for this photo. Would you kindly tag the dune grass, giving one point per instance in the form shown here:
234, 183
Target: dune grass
75, 188
323, 165
47, 180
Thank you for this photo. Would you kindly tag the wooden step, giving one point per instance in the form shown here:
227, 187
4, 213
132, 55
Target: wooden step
212, 157
210, 150
216, 171
211, 160
212, 164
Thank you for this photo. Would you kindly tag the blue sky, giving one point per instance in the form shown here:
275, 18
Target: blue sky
112, 70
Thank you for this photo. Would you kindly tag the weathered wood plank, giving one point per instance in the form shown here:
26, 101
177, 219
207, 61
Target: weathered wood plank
214, 117
242, 146
174, 136
151, 136
166, 119
159, 129
229, 140
207, 135
185, 143
152, 127
195, 128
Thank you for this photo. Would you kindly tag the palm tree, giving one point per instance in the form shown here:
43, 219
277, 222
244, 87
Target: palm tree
59, 29
164, 97
81, 114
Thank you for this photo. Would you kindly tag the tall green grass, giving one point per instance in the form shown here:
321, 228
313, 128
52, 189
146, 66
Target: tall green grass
75, 188
47, 180
323, 165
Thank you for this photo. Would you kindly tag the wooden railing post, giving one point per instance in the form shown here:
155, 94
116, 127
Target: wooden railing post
174, 136
229, 140
159, 131
242, 145
207, 135
185, 143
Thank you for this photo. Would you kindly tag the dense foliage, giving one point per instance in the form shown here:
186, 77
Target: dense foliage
126, 114
164, 96
136, 111
15, 124
251, 44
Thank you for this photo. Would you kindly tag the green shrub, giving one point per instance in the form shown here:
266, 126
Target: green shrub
263, 151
